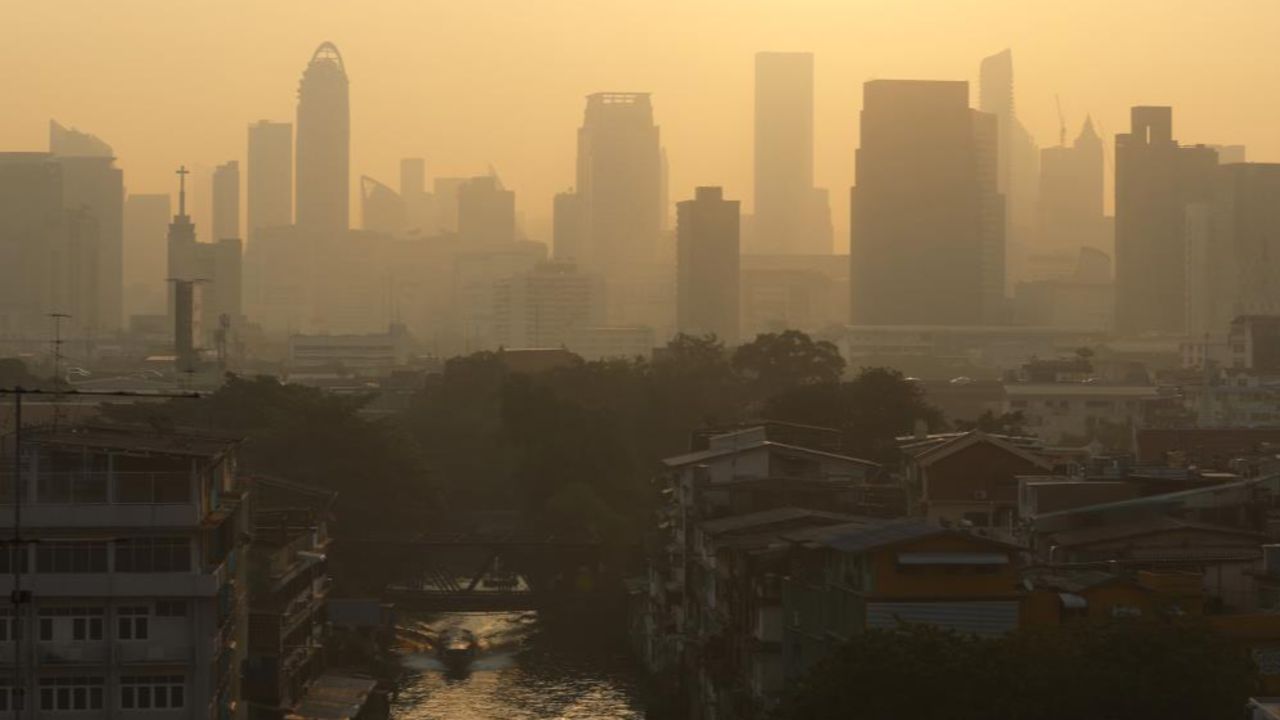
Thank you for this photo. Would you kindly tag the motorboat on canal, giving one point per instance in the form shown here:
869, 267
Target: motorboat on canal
457, 648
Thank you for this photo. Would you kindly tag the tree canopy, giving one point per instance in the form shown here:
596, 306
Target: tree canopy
1130, 669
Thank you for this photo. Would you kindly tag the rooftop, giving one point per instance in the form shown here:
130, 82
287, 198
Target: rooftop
137, 438
1153, 526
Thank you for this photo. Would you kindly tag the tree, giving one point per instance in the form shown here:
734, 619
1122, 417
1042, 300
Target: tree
775, 362
1137, 669
870, 411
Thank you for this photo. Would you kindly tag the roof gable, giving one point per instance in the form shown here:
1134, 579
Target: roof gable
976, 437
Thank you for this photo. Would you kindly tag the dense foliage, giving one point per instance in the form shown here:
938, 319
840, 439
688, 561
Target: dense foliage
1124, 670
573, 448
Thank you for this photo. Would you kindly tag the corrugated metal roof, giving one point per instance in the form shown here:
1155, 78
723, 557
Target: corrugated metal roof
953, 558
765, 517
977, 617
704, 455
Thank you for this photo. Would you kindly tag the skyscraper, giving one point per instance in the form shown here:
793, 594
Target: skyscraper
93, 183
1233, 249
791, 216
619, 180
1070, 212
708, 262
1156, 179
381, 208
270, 184
486, 212
1018, 168
324, 139
926, 218
226, 201
146, 218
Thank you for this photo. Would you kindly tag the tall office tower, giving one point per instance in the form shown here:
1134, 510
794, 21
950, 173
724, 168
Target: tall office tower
270, 184
486, 212
568, 231
1070, 209
1019, 157
445, 191
381, 208
619, 181
1233, 249
413, 176
48, 253
213, 269
545, 307
922, 237
226, 201
791, 216
142, 593
180, 243
708, 261
1156, 179
986, 133
93, 183
419, 205
146, 221
324, 140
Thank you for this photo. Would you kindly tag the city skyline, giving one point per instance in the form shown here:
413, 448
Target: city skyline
404, 102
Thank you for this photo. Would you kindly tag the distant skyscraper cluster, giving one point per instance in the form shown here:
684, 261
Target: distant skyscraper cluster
957, 218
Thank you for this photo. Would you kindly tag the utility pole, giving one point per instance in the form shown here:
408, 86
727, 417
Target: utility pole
57, 366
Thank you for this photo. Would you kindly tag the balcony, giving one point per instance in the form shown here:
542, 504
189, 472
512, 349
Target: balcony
103, 584
71, 653
141, 652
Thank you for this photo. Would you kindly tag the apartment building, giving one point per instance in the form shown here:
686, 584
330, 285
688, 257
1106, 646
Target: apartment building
127, 571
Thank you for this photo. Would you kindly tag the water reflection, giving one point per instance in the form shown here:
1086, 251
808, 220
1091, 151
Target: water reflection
522, 671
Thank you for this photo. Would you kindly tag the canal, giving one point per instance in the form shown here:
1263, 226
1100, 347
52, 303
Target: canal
524, 669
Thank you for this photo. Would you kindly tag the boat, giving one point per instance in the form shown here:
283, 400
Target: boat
457, 648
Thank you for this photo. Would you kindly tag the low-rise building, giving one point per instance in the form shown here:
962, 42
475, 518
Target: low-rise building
971, 478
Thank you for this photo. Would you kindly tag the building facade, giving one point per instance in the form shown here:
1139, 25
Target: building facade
708, 265
923, 243
134, 573
324, 144
791, 216
269, 195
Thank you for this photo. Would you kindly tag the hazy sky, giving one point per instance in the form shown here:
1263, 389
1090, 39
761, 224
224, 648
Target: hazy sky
473, 83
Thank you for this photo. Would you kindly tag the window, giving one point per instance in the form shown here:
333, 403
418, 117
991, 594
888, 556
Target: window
77, 624
152, 692
72, 477
71, 693
132, 623
145, 487
140, 555
8, 625
7, 555
171, 608
71, 557
11, 698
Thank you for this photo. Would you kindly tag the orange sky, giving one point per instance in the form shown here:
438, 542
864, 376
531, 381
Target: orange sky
473, 83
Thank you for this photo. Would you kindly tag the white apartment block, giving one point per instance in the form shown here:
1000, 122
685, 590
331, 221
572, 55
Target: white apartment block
130, 552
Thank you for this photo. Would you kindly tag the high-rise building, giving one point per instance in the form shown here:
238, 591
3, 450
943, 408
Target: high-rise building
413, 176
790, 216
1156, 179
146, 220
1233, 249
419, 205
619, 181
568, 232
924, 242
1071, 196
324, 140
226, 201
486, 212
93, 183
131, 541
49, 253
381, 208
269, 195
1018, 165
708, 261
546, 307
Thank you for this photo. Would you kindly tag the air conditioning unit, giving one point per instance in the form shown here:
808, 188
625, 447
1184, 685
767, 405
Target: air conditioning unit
979, 494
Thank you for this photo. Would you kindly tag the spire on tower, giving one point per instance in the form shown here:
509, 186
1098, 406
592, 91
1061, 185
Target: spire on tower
182, 190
